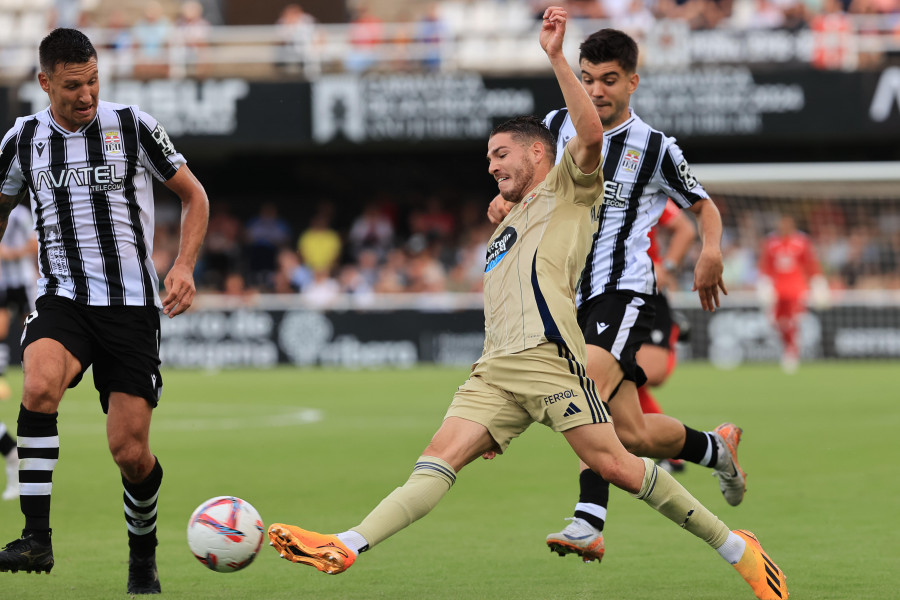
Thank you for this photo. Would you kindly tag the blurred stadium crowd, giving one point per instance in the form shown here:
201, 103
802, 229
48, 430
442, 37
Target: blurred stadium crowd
178, 38
435, 245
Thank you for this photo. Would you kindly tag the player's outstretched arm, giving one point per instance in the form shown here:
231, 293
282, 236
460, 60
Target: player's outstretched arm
180, 288
708, 271
587, 146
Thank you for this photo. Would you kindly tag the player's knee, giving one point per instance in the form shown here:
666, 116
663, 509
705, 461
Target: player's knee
38, 395
130, 457
610, 468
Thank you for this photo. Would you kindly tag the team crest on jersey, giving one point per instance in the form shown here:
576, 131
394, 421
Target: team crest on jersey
112, 141
499, 247
631, 160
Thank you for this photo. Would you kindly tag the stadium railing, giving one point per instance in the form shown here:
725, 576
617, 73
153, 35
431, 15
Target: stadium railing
270, 51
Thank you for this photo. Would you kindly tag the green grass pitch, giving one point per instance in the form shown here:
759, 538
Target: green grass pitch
320, 448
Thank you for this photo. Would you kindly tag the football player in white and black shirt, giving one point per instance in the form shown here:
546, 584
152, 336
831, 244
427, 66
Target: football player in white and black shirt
88, 167
18, 252
642, 167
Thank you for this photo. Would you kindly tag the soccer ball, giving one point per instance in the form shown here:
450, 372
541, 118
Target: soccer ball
225, 533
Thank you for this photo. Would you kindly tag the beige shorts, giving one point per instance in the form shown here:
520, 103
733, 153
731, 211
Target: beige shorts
545, 384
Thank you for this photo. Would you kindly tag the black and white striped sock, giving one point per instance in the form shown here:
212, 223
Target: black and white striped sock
38, 441
140, 511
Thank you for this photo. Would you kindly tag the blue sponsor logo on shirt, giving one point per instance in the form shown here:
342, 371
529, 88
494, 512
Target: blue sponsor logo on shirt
499, 247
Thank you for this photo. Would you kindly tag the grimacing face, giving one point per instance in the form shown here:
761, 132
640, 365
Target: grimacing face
73, 89
509, 163
610, 88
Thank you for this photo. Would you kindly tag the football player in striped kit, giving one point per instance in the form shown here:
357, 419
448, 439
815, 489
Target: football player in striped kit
88, 166
642, 168
18, 258
17, 277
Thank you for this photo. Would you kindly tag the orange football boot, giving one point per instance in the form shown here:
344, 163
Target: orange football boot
763, 575
324, 552
732, 479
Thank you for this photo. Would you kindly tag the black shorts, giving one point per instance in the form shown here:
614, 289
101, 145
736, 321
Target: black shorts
663, 332
121, 342
15, 299
619, 322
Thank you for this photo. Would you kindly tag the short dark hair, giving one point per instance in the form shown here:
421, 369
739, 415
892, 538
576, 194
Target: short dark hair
63, 45
528, 128
609, 45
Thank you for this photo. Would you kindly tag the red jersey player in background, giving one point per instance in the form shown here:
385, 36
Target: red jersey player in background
789, 275
657, 357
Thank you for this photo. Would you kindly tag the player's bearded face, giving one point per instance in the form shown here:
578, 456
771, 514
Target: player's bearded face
610, 88
510, 166
73, 89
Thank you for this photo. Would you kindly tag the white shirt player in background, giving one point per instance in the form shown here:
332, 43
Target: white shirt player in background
18, 279
18, 255
642, 168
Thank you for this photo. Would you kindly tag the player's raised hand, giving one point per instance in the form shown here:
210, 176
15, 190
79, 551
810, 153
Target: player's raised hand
553, 30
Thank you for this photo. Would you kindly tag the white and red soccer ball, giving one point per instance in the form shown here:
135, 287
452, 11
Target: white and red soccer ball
225, 533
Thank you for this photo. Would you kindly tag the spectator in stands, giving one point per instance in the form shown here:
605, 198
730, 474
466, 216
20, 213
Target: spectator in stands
689, 11
151, 36
192, 31
638, 18
764, 15
392, 276
367, 264
320, 244
212, 11
862, 260
352, 281
297, 30
424, 272
832, 37
266, 234
292, 275
580, 9
366, 33
222, 250
236, 288
371, 230
796, 15
323, 291
430, 33
120, 42
467, 274
67, 13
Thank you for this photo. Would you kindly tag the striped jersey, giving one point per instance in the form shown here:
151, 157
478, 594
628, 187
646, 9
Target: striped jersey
642, 168
534, 259
18, 272
92, 201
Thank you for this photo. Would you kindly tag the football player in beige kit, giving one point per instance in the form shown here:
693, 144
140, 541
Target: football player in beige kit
532, 367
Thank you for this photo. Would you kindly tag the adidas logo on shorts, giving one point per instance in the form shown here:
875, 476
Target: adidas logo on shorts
571, 410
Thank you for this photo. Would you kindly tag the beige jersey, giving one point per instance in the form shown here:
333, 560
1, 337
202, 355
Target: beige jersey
534, 262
